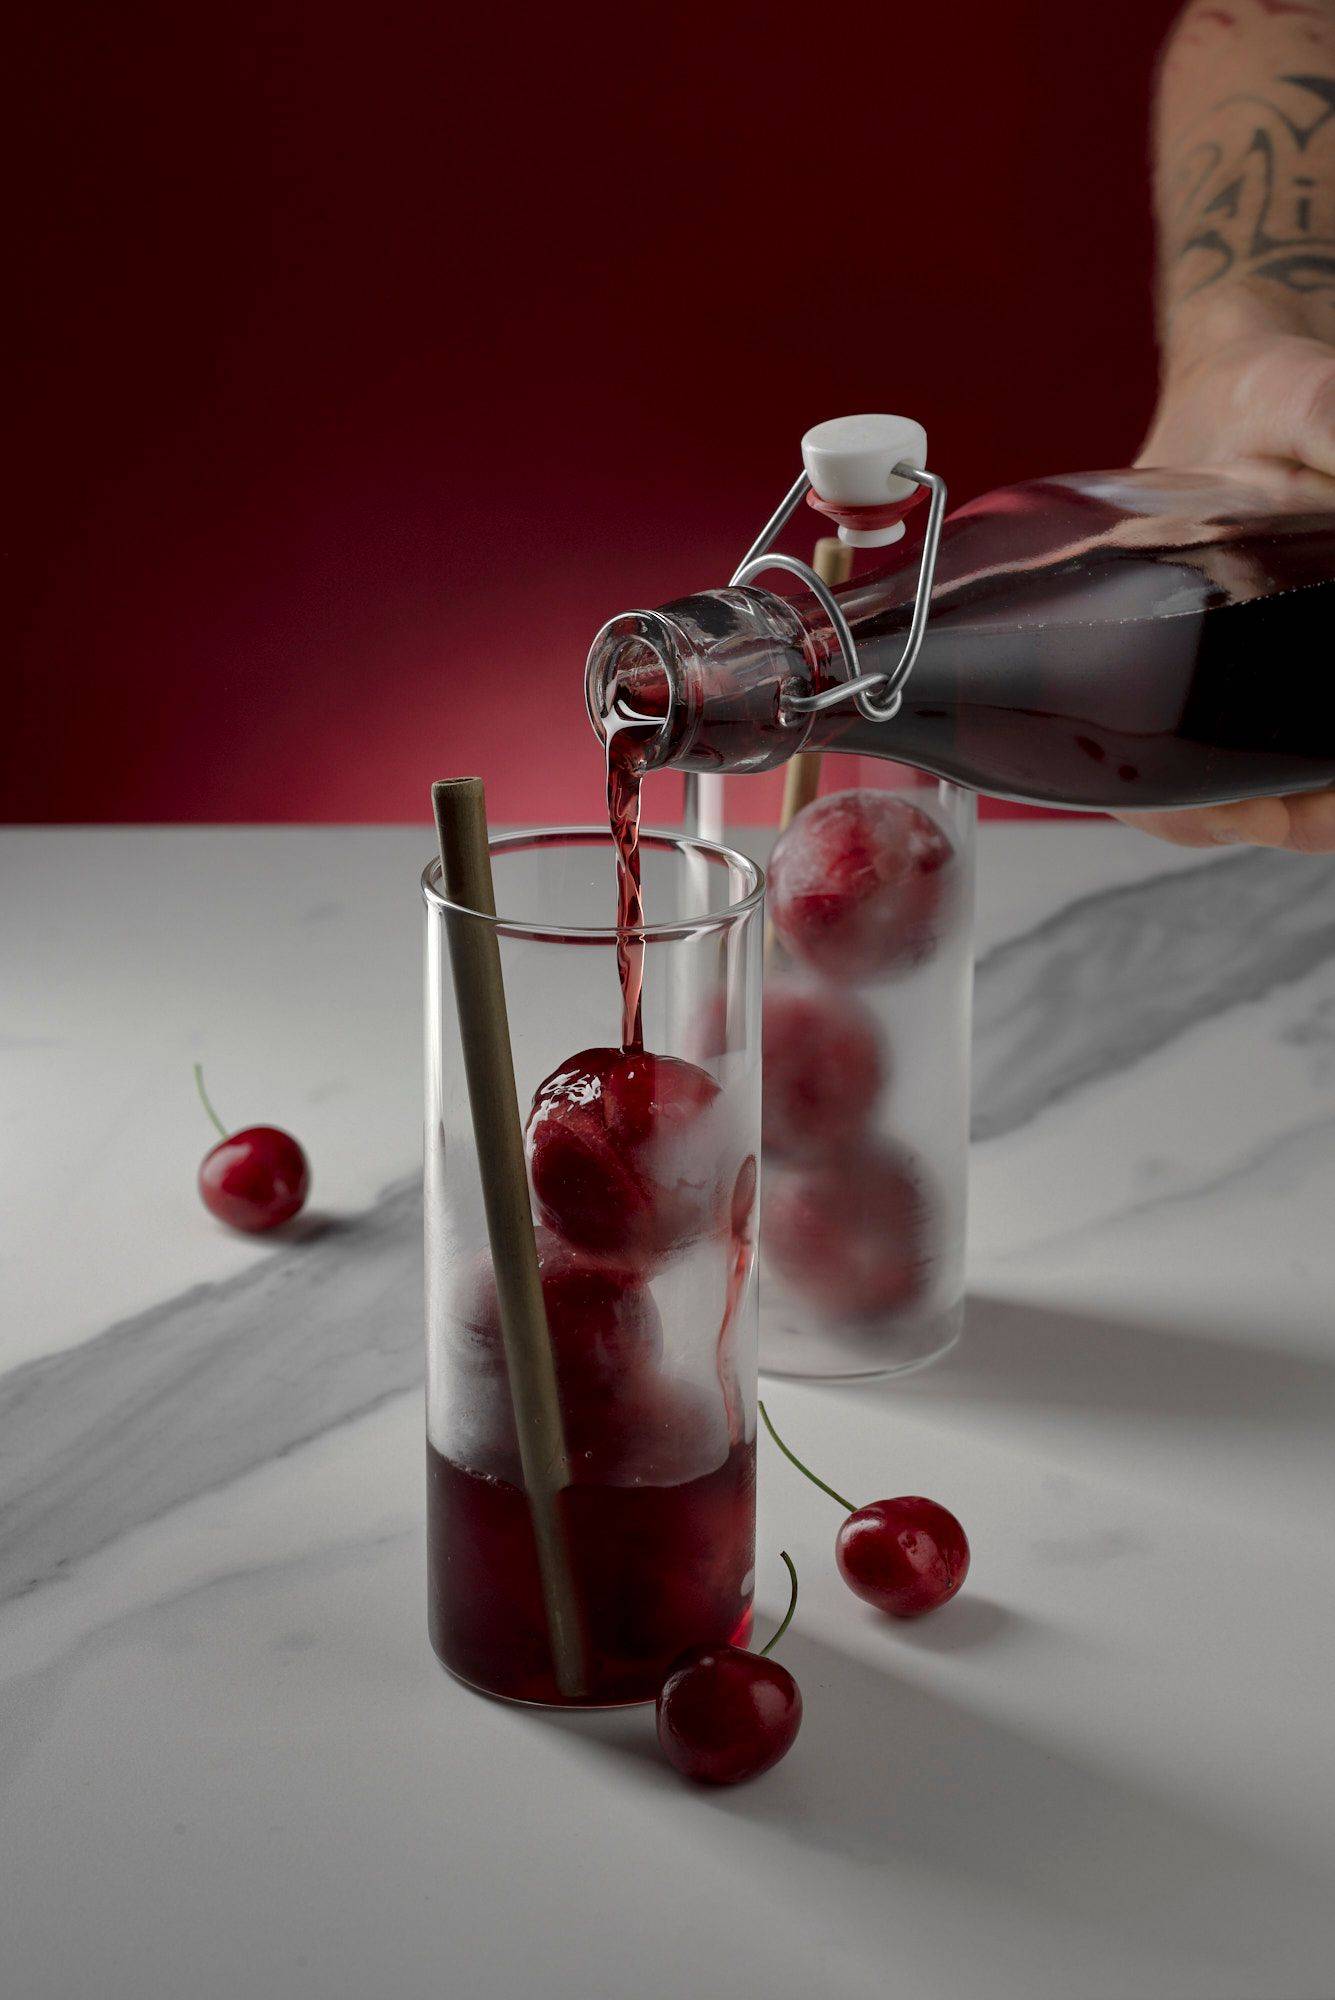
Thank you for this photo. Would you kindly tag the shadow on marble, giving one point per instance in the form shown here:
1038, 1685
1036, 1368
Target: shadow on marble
315, 1225
1037, 1356
885, 1774
966, 1625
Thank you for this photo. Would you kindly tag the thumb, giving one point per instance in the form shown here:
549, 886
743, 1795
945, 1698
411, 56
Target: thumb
1288, 393
1315, 431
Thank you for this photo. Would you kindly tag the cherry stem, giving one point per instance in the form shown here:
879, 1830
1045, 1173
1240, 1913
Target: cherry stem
792, 1604
204, 1100
793, 1459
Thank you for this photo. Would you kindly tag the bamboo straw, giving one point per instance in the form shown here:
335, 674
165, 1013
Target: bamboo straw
832, 561
484, 1030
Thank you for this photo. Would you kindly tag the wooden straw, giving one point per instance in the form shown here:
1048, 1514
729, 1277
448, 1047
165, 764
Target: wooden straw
484, 1031
832, 561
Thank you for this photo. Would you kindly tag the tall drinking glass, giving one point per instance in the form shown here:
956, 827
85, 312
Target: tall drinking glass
866, 1118
643, 1179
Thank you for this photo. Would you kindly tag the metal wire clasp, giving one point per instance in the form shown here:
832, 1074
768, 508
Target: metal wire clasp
877, 696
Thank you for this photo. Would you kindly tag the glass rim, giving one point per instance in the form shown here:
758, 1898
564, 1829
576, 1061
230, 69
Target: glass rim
683, 844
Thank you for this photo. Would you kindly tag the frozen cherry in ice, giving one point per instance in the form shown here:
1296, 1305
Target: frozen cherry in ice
606, 1338
254, 1179
725, 1714
625, 1153
851, 1235
905, 1556
860, 884
824, 1069
602, 1320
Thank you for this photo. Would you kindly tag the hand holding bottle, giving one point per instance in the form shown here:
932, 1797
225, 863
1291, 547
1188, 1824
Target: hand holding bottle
1247, 271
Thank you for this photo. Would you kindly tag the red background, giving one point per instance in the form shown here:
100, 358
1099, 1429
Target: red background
371, 357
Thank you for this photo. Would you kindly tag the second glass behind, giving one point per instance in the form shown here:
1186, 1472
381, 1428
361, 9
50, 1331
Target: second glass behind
866, 1091
643, 1175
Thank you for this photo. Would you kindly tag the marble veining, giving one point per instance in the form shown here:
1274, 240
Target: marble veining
189, 1395
1114, 976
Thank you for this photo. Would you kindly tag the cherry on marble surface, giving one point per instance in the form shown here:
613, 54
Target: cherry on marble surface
905, 1556
725, 1714
255, 1179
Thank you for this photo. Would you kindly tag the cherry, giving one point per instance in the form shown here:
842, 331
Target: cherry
257, 1178
725, 1714
849, 1234
823, 1069
624, 1153
602, 1321
905, 1556
858, 884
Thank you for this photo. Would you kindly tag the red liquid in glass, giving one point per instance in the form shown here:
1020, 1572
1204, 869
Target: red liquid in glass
656, 1569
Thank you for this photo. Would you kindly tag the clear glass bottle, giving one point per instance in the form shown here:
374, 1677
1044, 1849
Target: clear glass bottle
644, 1181
1128, 639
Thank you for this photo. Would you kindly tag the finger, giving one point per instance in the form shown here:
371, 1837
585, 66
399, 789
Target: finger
1283, 402
1316, 432
1257, 822
1312, 822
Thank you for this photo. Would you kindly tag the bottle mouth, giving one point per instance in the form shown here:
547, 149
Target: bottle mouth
630, 681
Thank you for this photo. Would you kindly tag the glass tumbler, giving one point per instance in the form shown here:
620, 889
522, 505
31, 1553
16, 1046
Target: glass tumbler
643, 1183
866, 1107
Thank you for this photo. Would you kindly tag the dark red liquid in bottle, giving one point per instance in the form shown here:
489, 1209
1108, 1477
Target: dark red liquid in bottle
1228, 700
1130, 640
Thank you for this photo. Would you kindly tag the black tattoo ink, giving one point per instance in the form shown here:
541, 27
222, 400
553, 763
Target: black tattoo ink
1250, 211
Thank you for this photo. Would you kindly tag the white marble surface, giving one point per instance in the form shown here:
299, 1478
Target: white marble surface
229, 1767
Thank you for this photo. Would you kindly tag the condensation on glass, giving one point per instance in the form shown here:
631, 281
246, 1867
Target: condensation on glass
654, 1330
863, 1246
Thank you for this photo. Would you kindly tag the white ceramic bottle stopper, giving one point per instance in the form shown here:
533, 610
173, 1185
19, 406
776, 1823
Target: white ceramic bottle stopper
850, 461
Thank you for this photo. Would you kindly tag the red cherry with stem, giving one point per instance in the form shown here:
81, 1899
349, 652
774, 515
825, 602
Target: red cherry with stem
823, 1069
859, 885
625, 1153
905, 1556
725, 1714
256, 1179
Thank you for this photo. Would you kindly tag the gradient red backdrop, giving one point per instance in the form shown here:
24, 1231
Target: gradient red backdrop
370, 357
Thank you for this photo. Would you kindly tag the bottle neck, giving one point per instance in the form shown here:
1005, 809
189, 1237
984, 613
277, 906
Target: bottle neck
703, 684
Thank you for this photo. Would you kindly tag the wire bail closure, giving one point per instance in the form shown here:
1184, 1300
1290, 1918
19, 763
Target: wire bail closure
877, 696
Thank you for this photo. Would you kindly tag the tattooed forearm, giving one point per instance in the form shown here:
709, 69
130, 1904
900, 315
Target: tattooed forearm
1245, 146
1256, 199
